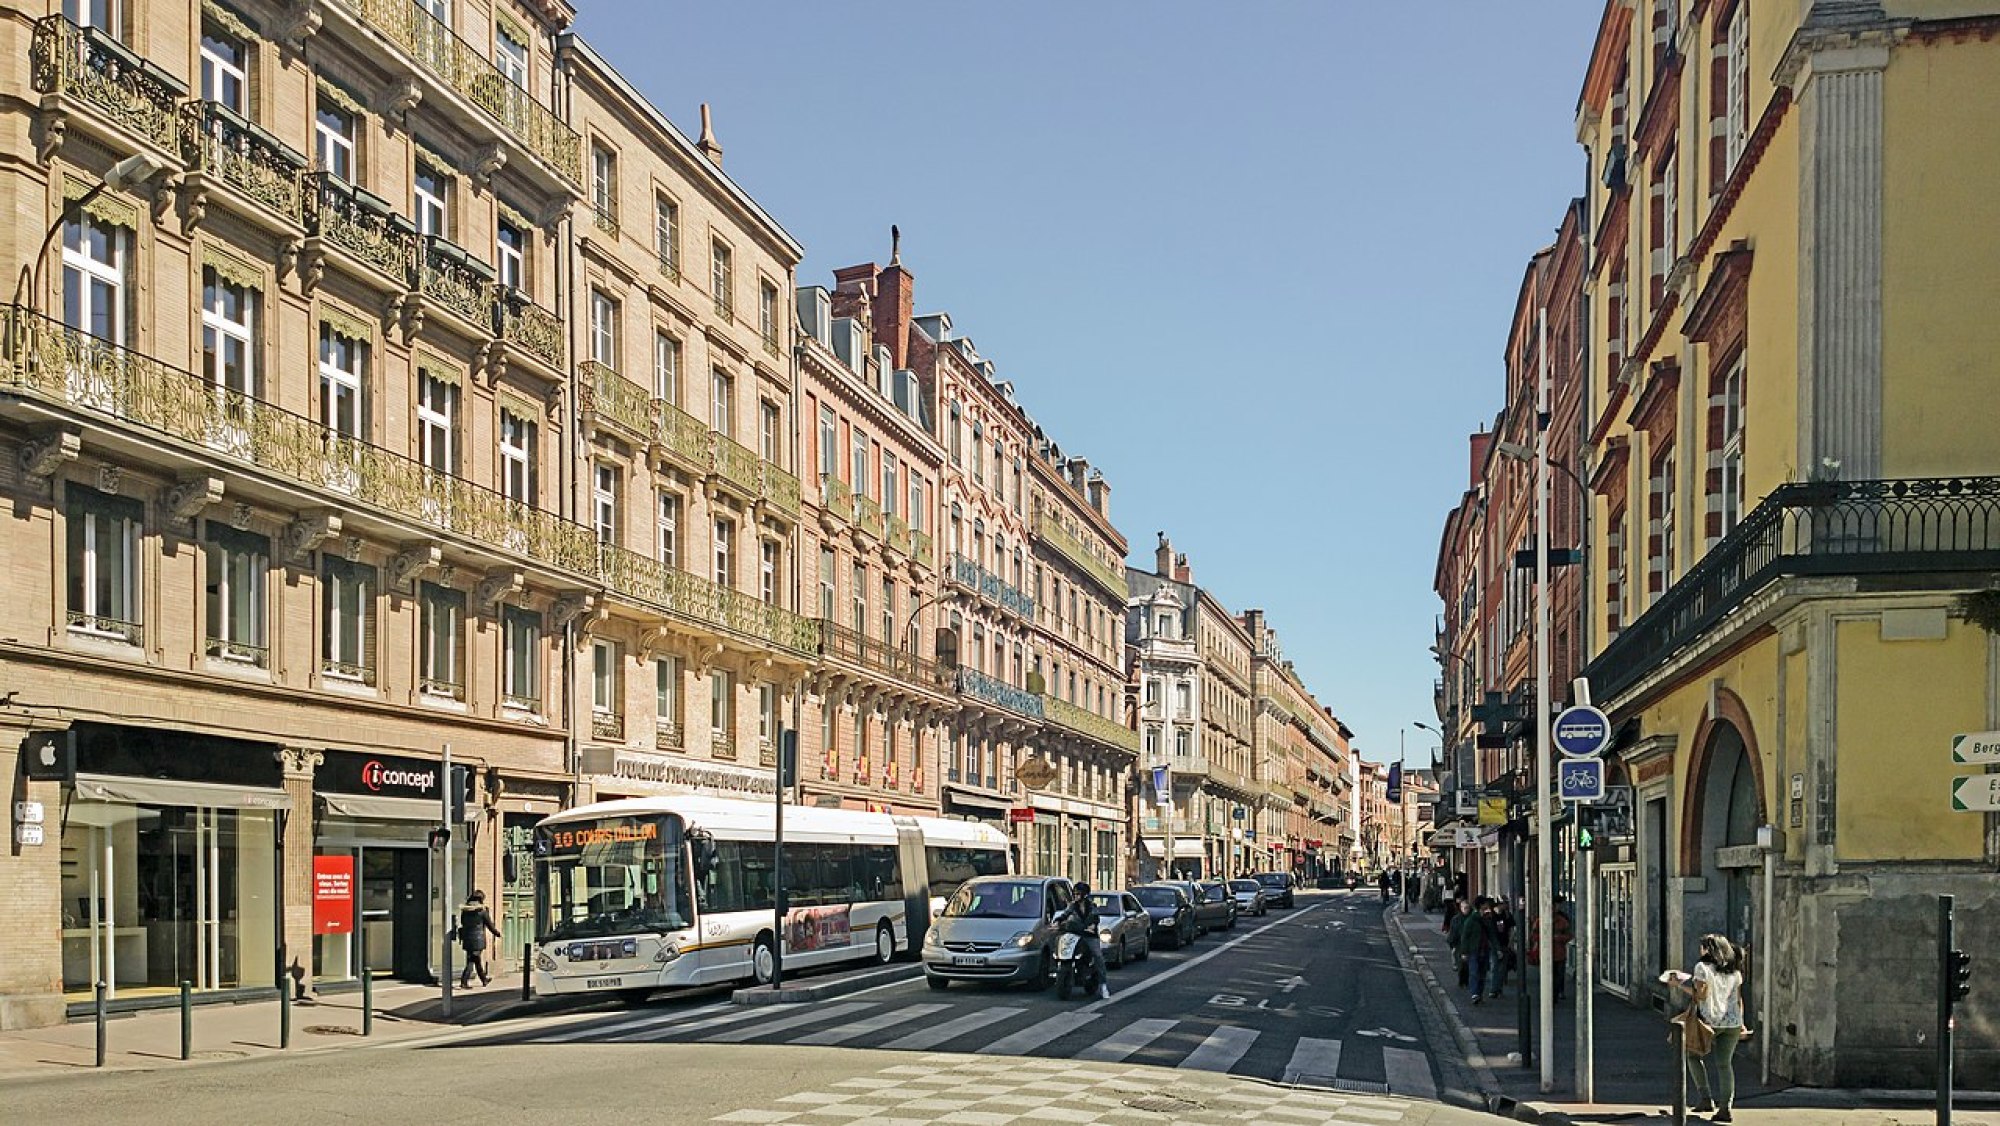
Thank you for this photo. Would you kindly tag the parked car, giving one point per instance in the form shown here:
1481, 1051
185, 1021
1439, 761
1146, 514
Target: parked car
1249, 897
1213, 892
1277, 887
998, 929
1124, 927
1210, 913
1170, 911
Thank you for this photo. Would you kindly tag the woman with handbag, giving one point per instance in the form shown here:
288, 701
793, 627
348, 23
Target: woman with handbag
1715, 1010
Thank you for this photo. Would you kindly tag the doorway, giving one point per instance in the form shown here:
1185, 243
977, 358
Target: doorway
395, 912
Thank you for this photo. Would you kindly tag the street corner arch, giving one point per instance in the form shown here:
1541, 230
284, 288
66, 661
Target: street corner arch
1726, 731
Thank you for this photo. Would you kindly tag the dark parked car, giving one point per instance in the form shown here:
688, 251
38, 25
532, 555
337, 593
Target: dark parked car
1124, 927
1214, 892
1277, 888
1172, 914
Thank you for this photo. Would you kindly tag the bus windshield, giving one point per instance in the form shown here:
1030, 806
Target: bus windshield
617, 875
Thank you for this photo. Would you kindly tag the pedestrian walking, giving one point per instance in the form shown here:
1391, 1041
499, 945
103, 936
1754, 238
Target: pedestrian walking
1502, 953
1454, 910
1715, 989
1474, 941
1411, 882
1387, 881
475, 922
1559, 956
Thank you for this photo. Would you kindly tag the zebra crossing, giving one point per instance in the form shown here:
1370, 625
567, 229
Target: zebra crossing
1367, 1063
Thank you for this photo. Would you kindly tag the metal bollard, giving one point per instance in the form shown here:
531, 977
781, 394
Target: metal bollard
187, 1020
527, 972
367, 1001
100, 1023
285, 1012
1679, 1037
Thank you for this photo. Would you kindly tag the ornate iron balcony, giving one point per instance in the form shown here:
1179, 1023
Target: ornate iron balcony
90, 65
868, 516
667, 736
529, 327
455, 281
1055, 535
361, 224
990, 586
607, 725
835, 497
882, 656
1906, 526
696, 599
215, 141
620, 401
1090, 724
735, 463
780, 489
972, 682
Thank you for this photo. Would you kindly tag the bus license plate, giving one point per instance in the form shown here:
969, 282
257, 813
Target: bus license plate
603, 982
968, 960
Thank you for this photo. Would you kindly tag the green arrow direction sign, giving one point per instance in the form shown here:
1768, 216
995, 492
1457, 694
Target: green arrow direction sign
1979, 748
1977, 794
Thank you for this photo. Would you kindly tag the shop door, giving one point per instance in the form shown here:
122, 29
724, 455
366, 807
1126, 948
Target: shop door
395, 911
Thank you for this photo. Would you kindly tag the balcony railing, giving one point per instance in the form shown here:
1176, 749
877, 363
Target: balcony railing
215, 141
607, 725
835, 497
972, 682
73, 368
236, 652
780, 489
455, 280
1912, 525
668, 736
920, 548
620, 401
700, 600
1057, 536
1090, 724
839, 641
868, 515
988, 585
361, 224
735, 463
529, 327
464, 68
721, 744
88, 64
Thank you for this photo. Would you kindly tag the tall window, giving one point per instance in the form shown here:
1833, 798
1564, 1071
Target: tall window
441, 628
104, 538
604, 502
1660, 561
228, 335
1731, 485
767, 713
1614, 577
721, 394
603, 329
225, 66
340, 372
437, 423
889, 610
1736, 88
521, 658
667, 233
889, 486
94, 264
236, 564
510, 247
725, 549
667, 701
604, 184
510, 57
517, 457
767, 311
769, 434
916, 514
347, 617
858, 598
427, 200
978, 453
860, 452
669, 524
721, 706
666, 367
826, 582
829, 450
722, 276
100, 14
957, 436
767, 572
606, 697
333, 141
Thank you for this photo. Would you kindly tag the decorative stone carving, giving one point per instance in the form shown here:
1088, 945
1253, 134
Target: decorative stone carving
288, 256
109, 478
447, 574
413, 561
353, 549
486, 163
53, 124
312, 528
300, 21
46, 452
299, 762
552, 402
499, 585
570, 607
239, 517
191, 495
655, 643
194, 206
166, 188
399, 98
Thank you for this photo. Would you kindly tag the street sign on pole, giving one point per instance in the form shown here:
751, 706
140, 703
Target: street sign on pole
1582, 779
1977, 794
1582, 731
1981, 749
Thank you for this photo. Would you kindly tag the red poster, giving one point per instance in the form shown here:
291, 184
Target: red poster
333, 895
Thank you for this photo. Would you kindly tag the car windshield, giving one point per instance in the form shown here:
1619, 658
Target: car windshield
1272, 879
999, 900
1245, 885
1157, 897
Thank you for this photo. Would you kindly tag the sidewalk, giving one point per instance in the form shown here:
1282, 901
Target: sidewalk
152, 1038
1635, 1070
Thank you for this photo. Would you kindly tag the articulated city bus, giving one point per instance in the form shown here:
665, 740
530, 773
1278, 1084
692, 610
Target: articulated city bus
648, 893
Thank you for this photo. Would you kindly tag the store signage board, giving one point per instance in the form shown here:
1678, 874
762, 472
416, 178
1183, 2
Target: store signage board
333, 894
1020, 815
1492, 811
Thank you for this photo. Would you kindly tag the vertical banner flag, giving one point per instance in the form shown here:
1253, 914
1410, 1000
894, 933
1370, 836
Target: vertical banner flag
1396, 783
1162, 786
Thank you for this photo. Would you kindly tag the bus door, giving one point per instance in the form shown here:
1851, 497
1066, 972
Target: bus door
915, 865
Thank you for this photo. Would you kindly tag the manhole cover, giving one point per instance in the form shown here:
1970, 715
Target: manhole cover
332, 1030
1163, 1104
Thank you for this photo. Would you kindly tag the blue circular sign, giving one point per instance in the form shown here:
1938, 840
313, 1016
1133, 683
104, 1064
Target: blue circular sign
1581, 731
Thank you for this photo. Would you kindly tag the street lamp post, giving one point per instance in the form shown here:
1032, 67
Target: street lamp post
125, 175
1544, 850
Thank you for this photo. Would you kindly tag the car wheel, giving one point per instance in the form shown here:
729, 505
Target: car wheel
764, 960
885, 944
1044, 972
937, 983
1123, 957
1146, 947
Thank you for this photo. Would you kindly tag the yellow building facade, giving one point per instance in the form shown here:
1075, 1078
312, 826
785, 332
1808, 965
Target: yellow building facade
1796, 522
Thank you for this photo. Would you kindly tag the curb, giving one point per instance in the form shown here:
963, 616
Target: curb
1487, 1097
831, 987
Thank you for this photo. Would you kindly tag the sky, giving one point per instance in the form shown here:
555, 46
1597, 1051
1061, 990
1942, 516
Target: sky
1254, 259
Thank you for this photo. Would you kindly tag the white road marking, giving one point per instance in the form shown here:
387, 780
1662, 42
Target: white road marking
876, 1023
736, 1013
1221, 1050
1037, 1034
1140, 987
813, 1015
1126, 1041
1314, 1061
627, 1023
937, 1034
1409, 1073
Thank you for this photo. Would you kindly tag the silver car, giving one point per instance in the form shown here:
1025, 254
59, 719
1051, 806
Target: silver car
998, 929
1249, 897
1123, 926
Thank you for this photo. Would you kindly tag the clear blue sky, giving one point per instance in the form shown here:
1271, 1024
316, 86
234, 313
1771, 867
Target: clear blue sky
1255, 260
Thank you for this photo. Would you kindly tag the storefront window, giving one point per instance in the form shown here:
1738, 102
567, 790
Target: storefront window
1107, 859
1047, 859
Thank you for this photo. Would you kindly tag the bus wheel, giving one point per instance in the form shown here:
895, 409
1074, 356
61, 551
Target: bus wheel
764, 960
634, 996
885, 944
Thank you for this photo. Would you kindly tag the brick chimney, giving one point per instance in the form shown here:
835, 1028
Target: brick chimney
1163, 557
1182, 572
1078, 471
1100, 496
895, 307
709, 146
1253, 624
854, 293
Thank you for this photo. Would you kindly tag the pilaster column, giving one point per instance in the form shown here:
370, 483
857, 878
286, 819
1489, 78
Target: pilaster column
297, 765
31, 924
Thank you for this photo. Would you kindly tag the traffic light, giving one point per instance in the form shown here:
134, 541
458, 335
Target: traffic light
1958, 970
788, 758
1585, 842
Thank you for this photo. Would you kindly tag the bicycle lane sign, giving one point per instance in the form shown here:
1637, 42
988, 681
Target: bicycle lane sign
1581, 779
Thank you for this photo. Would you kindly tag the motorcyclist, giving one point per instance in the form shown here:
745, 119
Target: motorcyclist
1081, 920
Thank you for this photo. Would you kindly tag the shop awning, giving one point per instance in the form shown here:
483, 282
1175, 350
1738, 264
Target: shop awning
375, 808
959, 797
1184, 848
169, 791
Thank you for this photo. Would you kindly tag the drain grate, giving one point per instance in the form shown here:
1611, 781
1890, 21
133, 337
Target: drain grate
1163, 1104
332, 1030
1360, 1087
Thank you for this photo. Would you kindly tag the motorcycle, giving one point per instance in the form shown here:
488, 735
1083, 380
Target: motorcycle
1074, 968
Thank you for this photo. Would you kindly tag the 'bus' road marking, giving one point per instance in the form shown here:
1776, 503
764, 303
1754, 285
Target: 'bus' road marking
735, 1014
1035, 1035
1408, 1073
937, 1034
1314, 1061
626, 1023
812, 1015
1126, 1041
1222, 1049
1134, 990
876, 1023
